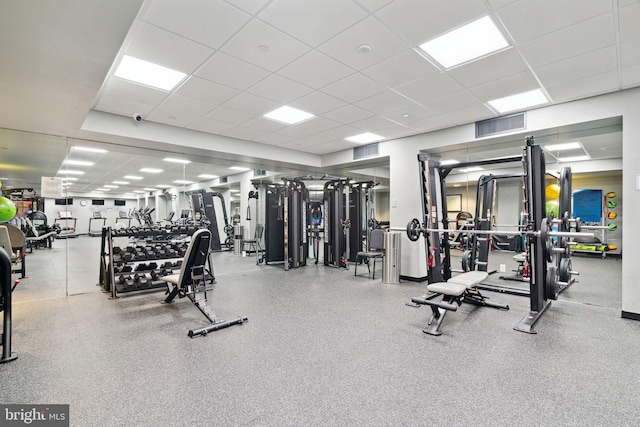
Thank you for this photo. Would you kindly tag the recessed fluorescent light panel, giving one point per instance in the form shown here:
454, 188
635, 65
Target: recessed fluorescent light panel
475, 40
139, 191
239, 168
207, 176
148, 73
574, 158
519, 101
150, 189
471, 169
110, 186
70, 179
182, 181
449, 162
288, 115
77, 162
174, 160
133, 177
562, 147
151, 170
70, 172
88, 149
364, 138
120, 182
164, 186
104, 189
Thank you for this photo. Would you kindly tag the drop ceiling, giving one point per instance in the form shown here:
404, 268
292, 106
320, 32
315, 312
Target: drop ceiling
352, 63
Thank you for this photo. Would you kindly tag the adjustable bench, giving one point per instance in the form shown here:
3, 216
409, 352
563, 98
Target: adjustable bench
462, 287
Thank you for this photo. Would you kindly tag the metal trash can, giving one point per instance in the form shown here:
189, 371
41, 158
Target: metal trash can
238, 237
391, 270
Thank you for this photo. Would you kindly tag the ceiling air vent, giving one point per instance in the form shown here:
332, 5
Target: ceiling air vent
501, 125
369, 150
223, 180
259, 172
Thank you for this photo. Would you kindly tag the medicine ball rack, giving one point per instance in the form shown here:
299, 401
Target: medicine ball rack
150, 254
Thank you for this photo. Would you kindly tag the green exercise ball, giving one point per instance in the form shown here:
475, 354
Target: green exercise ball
7, 210
553, 206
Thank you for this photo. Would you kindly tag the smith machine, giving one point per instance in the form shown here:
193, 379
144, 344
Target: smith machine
544, 283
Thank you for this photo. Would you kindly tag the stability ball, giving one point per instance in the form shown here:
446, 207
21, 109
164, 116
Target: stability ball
552, 191
552, 206
7, 210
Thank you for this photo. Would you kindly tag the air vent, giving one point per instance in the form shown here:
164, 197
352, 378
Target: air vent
501, 125
223, 180
259, 172
370, 150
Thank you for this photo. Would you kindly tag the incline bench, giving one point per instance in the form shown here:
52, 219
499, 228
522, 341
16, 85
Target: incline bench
461, 288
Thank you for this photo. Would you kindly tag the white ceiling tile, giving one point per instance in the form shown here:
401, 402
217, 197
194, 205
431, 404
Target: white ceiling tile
244, 133
373, 5
317, 103
383, 102
313, 22
229, 115
312, 140
630, 53
354, 88
497, 4
294, 132
123, 107
506, 86
417, 21
527, 20
629, 17
206, 91
123, 89
273, 139
161, 47
249, 6
412, 112
396, 131
452, 101
429, 87
404, 68
590, 86
631, 76
210, 22
468, 114
264, 46
211, 126
578, 67
316, 70
280, 89
489, 68
318, 124
383, 44
342, 132
181, 104
252, 104
593, 34
266, 125
373, 123
170, 117
348, 114
429, 124
232, 72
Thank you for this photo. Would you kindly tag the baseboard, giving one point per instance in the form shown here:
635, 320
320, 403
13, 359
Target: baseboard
629, 315
413, 279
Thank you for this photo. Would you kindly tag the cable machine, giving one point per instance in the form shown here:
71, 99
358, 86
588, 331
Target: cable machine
202, 206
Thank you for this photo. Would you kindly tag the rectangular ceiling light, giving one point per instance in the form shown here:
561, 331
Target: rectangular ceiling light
288, 115
148, 73
519, 101
364, 138
564, 146
182, 181
448, 162
88, 149
120, 182
239, 168
475, 40
207, 176
174, 160
70, 179
164, 186
150, 189
470, 169
574, 158
77, 162
133, 177
151, 170
104, 189
110, 186
70, 172
139, 191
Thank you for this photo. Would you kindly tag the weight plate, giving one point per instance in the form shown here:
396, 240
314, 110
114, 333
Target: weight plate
413, 230
578, 225
612, 215
551, 284
548, 250
564, 270
611, 195
612, 226
466, 261
611, 204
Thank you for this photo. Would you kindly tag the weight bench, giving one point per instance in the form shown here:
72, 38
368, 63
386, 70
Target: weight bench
190, 282
459, 289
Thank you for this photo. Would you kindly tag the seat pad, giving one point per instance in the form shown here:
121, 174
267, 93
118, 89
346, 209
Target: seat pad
469, 279
171, 278
447, 288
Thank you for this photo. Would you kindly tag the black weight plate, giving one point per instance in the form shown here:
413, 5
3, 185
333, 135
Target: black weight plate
564, 270
551, 283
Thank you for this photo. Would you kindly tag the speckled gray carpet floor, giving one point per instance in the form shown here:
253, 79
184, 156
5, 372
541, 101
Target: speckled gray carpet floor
323, 348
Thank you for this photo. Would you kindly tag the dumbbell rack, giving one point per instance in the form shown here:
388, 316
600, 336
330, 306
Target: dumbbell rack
149, 255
